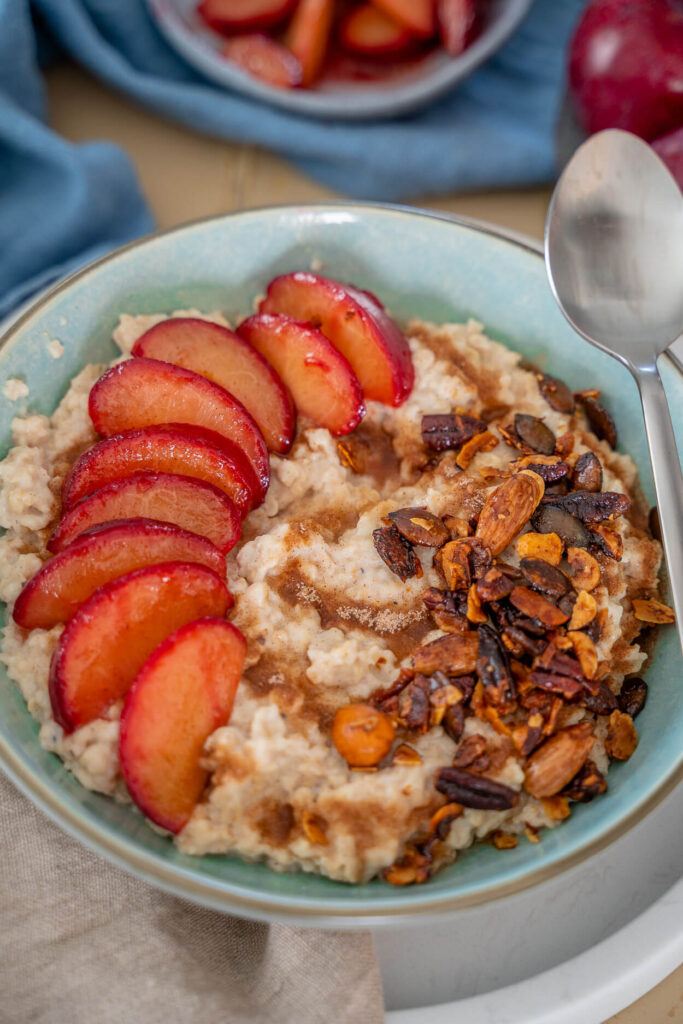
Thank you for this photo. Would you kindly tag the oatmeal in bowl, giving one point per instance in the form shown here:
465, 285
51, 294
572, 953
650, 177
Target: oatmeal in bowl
325, 591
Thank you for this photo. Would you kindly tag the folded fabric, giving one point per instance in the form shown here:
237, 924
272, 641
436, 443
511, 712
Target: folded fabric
83, 942
63, 205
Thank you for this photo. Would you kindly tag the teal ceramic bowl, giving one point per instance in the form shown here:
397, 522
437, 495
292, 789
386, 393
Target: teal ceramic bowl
420, 265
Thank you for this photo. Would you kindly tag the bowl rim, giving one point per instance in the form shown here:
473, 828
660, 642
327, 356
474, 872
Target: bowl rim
179, 881
373, 101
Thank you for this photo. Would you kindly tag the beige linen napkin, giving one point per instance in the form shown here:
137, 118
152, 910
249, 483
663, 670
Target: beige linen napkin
84, 943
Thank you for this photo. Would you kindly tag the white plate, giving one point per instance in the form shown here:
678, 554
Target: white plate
573, 951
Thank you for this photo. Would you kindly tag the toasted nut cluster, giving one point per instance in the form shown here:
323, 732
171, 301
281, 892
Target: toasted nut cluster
519, 644
363, 735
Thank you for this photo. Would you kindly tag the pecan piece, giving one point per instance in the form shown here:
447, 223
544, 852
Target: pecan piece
450, 430
493, 668
601, 422
457, 561
540, 575
603, 702
546, 546
472, 750
413, 704
633, 695
396, 552
556, 393
622, 736
497, 583
587, 473
418, 526
590, 507
554, 764
586, 785
584, 570
455, 654
461, 786
535, 434
507, 509
653, 611
537, 607
552, 519
554, 682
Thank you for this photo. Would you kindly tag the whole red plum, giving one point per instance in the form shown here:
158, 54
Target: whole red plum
626, 66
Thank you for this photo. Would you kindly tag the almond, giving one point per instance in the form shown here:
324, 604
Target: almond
509, 508
556, 762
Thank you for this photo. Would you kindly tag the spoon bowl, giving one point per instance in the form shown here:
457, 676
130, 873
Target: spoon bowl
614, 255
614, 247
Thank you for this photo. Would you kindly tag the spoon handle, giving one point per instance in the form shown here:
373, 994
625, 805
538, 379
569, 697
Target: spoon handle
666, 469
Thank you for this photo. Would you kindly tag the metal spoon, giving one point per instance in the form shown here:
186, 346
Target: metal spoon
614, 255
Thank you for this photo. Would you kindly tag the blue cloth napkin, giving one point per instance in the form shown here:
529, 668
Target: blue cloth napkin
62, 205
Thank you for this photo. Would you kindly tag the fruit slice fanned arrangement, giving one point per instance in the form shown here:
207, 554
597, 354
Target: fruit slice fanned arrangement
137, 572
289, 44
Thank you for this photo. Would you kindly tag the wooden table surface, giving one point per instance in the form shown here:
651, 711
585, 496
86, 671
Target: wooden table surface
185, 176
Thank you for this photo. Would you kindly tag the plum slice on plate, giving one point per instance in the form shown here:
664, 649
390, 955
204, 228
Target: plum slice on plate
228, 16
149, 392
113, 634
355, 323
170, 448
456, 20
181, 500
264, 58
320, 379
104, 552
416, 15
308, 36
369, 31
226, 359
185, 691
